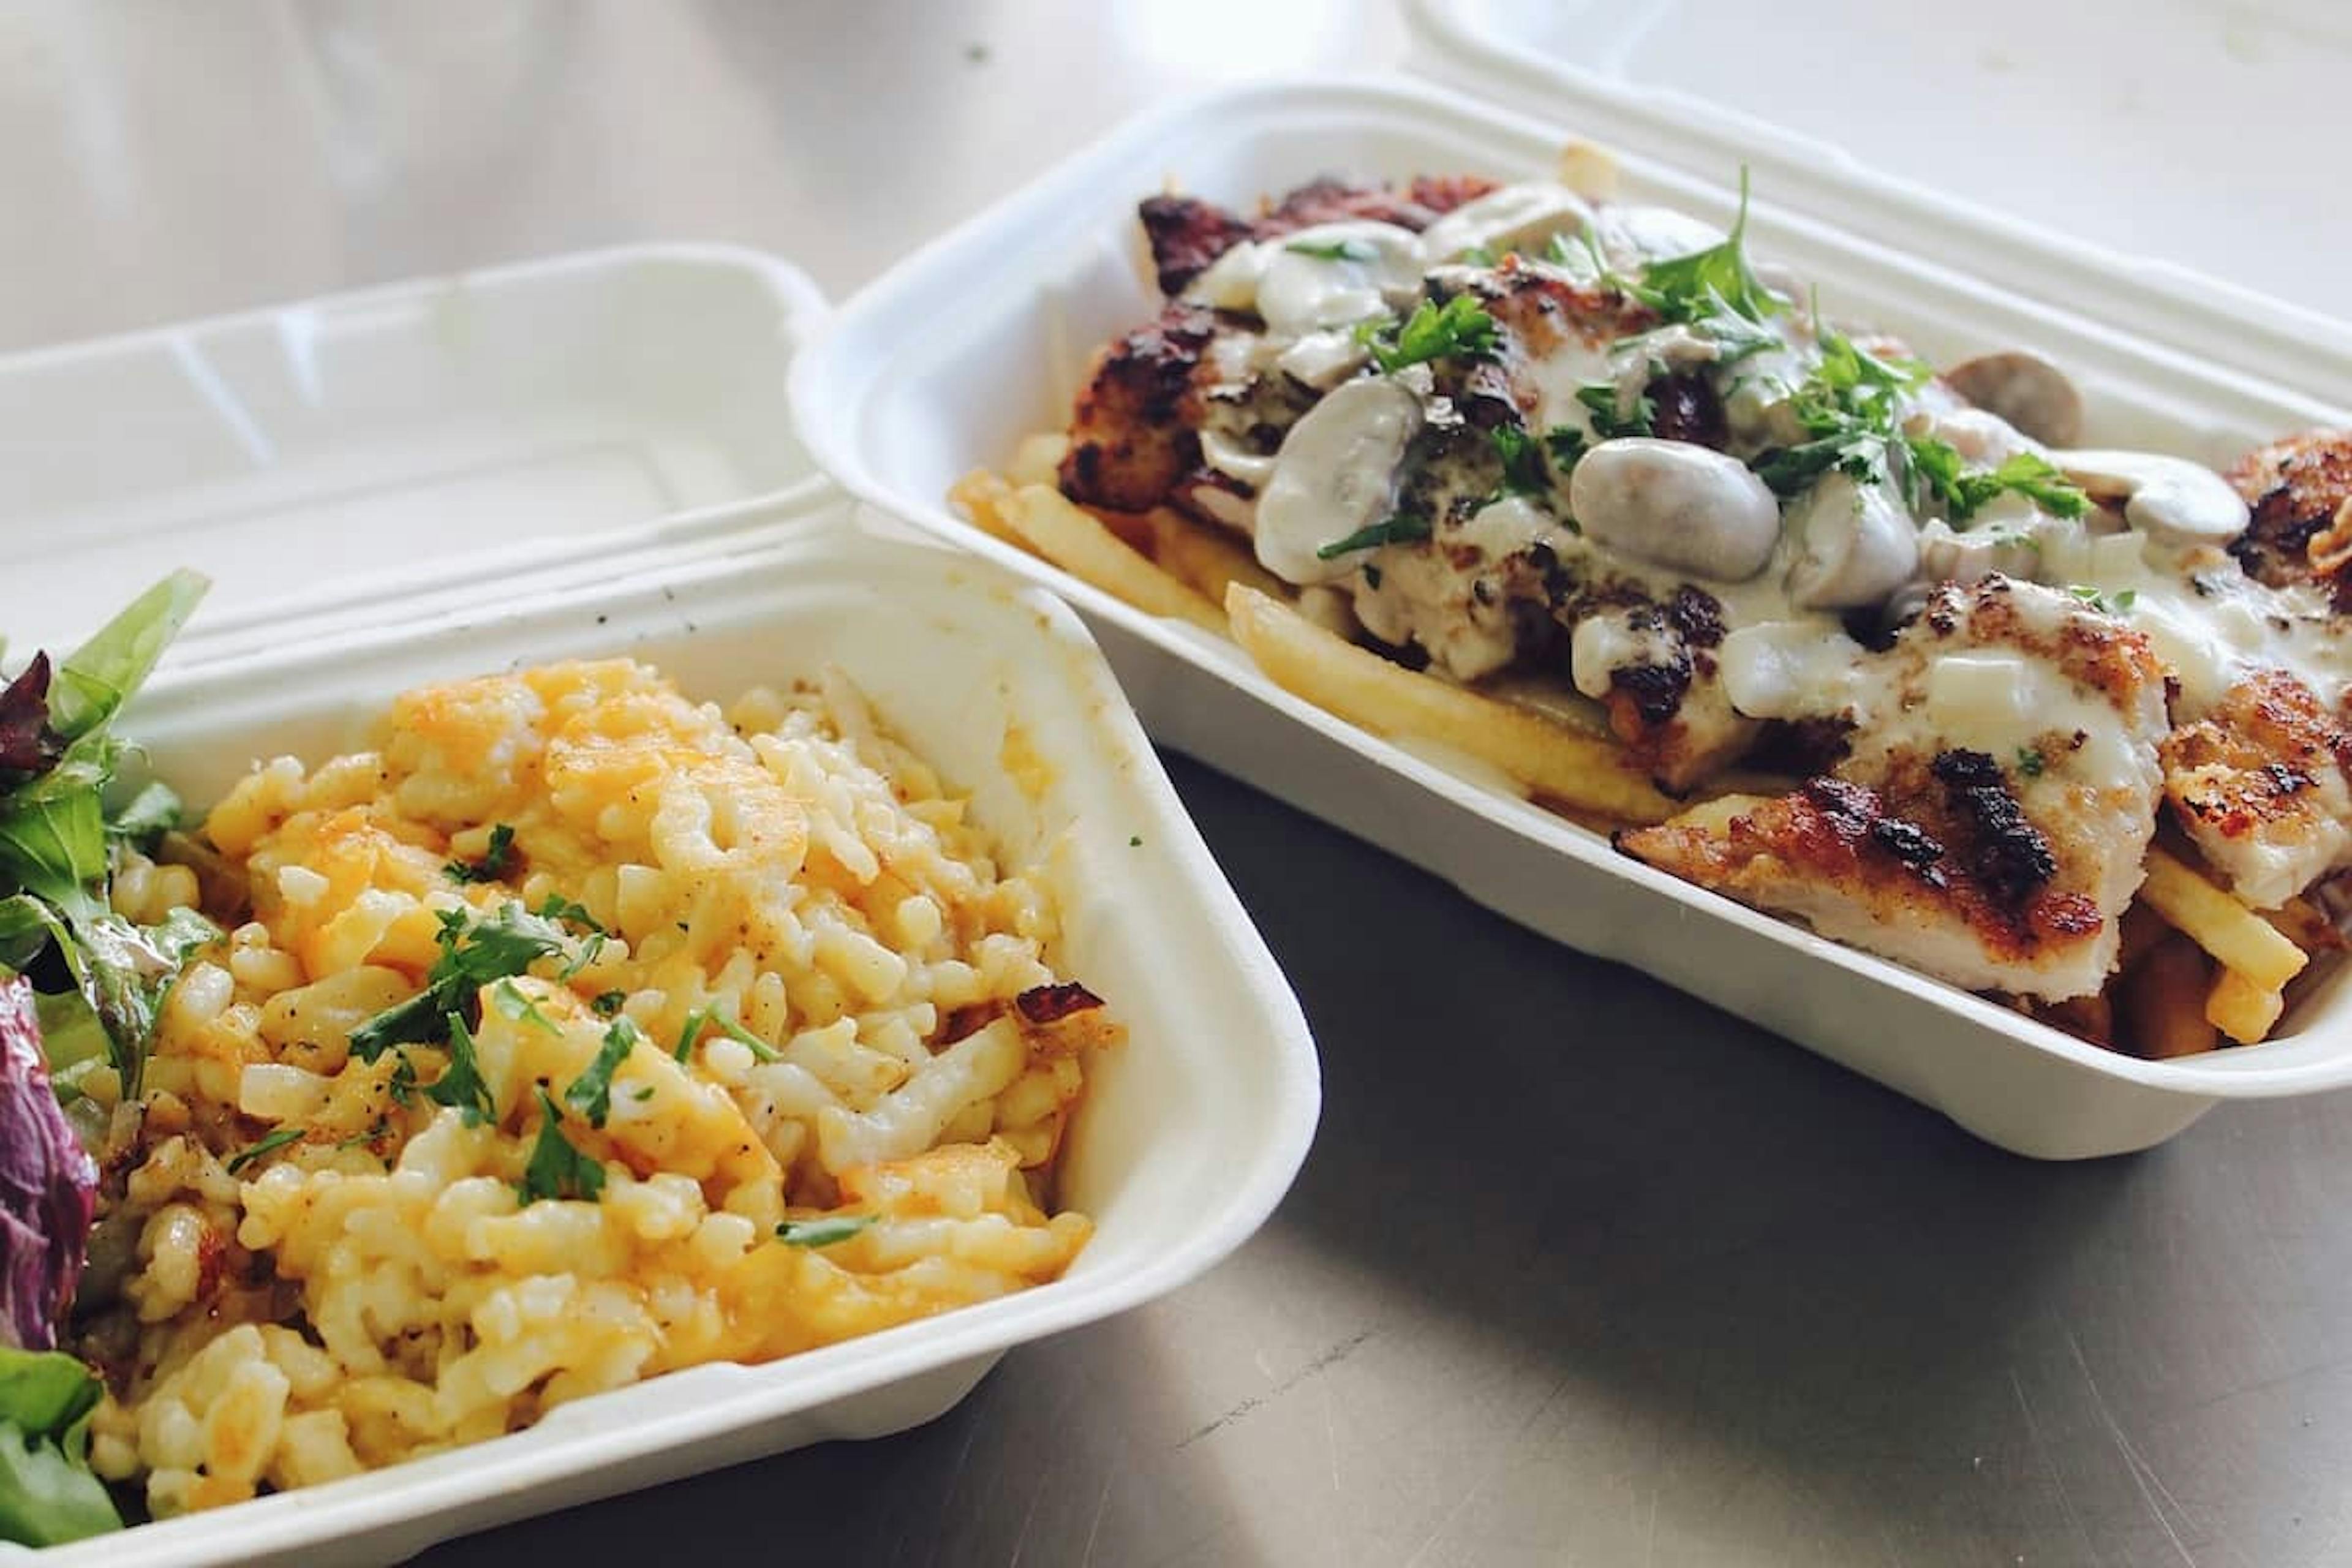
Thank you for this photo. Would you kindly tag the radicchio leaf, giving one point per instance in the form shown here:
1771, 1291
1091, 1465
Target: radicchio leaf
48, 1185
27, 745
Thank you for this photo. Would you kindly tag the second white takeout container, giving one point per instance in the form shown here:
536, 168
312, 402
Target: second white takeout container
1188, 1134
901, 397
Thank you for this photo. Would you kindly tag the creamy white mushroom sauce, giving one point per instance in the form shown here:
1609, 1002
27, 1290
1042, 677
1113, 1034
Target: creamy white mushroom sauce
1844, 548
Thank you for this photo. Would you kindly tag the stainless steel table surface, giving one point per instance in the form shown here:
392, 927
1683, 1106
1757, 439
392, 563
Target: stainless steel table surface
1578, 1270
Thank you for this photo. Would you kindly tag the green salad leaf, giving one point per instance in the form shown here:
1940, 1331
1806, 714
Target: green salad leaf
47, 1494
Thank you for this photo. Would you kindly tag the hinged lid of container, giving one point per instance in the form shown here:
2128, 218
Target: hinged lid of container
2193, 145
342, 460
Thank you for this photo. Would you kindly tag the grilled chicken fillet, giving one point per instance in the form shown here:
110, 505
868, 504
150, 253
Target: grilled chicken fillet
1999, 870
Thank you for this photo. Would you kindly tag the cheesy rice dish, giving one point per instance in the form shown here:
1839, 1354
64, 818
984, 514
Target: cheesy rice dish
576, 1034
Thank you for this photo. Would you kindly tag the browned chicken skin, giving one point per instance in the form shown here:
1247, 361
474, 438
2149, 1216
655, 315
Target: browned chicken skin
2300, 490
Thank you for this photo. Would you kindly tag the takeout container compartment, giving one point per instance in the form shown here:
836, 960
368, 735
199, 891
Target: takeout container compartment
1189, 1133
898, 399
366, 456
2047, 148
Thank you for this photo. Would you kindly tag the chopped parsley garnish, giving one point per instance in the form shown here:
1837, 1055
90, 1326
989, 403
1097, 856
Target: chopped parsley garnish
1709, 284
2106, 604
608, 1004
823, 1232
1350, 249
1850, 404
2030, 762
570, 913
1610, 419
269, 1144
474, 953
1135, 840
495, 861
462, 1087
365, 1136
1459, 329
509, 999
1963, 493
591, 1094
703, 1018
1523, 462
557, 1170
1480, 255
1397, 528
1566, 444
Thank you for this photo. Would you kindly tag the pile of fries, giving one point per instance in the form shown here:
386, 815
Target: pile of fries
2198, 966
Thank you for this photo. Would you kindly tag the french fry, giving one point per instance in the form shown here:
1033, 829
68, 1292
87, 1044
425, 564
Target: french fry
2242, 1009
1206, 559
983, 498
1038, 459
1590, 170
1364, 689
2161, 1001
1083, 545
2218, 922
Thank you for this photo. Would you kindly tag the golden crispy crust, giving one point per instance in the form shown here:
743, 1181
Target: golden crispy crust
1132, 436
2300, 491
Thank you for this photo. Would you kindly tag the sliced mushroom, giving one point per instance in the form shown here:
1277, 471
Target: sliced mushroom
1858, 546
1677, 505
1515, 218
2025, 389
2171, 499
1334, 476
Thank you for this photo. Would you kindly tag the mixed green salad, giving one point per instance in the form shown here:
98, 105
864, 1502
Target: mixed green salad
80, 987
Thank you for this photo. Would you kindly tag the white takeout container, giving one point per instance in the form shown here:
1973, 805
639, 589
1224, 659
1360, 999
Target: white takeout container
899, 398
1189, 1133
368, 455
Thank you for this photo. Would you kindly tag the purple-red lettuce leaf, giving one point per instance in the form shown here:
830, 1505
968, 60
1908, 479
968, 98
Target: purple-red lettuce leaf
27, 745
49, 1184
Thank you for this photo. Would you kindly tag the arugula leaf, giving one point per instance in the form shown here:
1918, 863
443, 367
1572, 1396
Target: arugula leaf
1398, 529
1459, 329
1523, 462
269, 1144
556, 1169
498, 856
1709, 282
825, 1231
99, 677
1350, 249
591, 1094
47, 1494
1600, 401
703, 1018
461, 1086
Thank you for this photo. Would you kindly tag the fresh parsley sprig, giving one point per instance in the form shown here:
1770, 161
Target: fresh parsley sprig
1398, 528
1716, 283
557, 1168
268, 1145
591, 1094
1459, 329
1348, 249
1612, 416
823, 1231
497, 857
